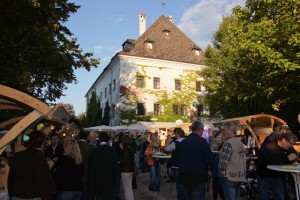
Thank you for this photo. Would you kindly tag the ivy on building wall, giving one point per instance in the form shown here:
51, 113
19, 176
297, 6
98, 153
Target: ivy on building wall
131, 94
129, 117
187, 96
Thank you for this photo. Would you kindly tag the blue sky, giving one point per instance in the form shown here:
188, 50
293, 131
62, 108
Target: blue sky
101, 26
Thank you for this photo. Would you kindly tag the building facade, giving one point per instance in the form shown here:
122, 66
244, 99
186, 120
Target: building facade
156, 77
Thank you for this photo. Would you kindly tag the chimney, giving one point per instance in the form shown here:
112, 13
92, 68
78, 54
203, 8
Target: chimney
170, 17
142, 24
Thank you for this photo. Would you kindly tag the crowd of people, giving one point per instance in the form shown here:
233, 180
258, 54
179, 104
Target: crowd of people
97, 166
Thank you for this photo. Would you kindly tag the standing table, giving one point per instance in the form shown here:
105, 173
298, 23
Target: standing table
295, 171
161, 158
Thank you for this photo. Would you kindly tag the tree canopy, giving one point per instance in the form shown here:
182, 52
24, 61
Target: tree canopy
106, 115
82, 120
94, 111
70, 108
253, 64
38, 54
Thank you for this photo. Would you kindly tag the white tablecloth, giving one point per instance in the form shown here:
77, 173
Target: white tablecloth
295, 171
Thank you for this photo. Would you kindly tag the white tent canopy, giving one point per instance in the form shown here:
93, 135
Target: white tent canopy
106, 128
152, 126
140, 127
136, 127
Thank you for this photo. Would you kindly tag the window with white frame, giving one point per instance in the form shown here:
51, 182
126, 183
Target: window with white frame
140, 108
175, 109
140, 81
198, 86
157, 109
177, 85
109, 89
114, 85
156, 82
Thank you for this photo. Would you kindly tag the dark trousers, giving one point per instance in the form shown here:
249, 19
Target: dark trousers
195, 192
217, 189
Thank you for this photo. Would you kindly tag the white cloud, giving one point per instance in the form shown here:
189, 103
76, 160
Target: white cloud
98, 49
105, 49
120, 18
106, 53
106, 59
201, 20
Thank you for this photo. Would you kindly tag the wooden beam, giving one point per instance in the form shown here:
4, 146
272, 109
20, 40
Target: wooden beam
254, 136
5, 101
10, 107
10, 121
272, 123
25, 99
19, 128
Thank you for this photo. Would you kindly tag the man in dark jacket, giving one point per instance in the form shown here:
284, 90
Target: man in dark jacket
116, 146
274, 152
29, 175
55, 150
103, 170
195, 156
85, 149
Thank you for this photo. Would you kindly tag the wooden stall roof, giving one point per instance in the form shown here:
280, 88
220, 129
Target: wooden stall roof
15, 105
19, 110
252, 122
258, 120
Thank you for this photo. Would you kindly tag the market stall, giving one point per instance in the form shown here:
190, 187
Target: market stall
18, 113
258, 125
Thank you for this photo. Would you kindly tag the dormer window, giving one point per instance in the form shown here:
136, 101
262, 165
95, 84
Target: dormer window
149, 44
196, 50
167, 33
128, 45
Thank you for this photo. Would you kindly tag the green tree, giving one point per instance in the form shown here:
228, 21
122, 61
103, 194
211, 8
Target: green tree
70, 108
38, 54
93, 115
82, 119
106, 116
253, 64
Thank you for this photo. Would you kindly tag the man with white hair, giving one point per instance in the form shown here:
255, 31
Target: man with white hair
232, 163
92, 139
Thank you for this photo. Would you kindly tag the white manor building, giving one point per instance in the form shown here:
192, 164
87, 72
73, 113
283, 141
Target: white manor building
156, 76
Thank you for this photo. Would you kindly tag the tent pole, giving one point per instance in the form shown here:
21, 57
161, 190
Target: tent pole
254, 136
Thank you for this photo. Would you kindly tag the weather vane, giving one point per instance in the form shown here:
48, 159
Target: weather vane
161, 7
